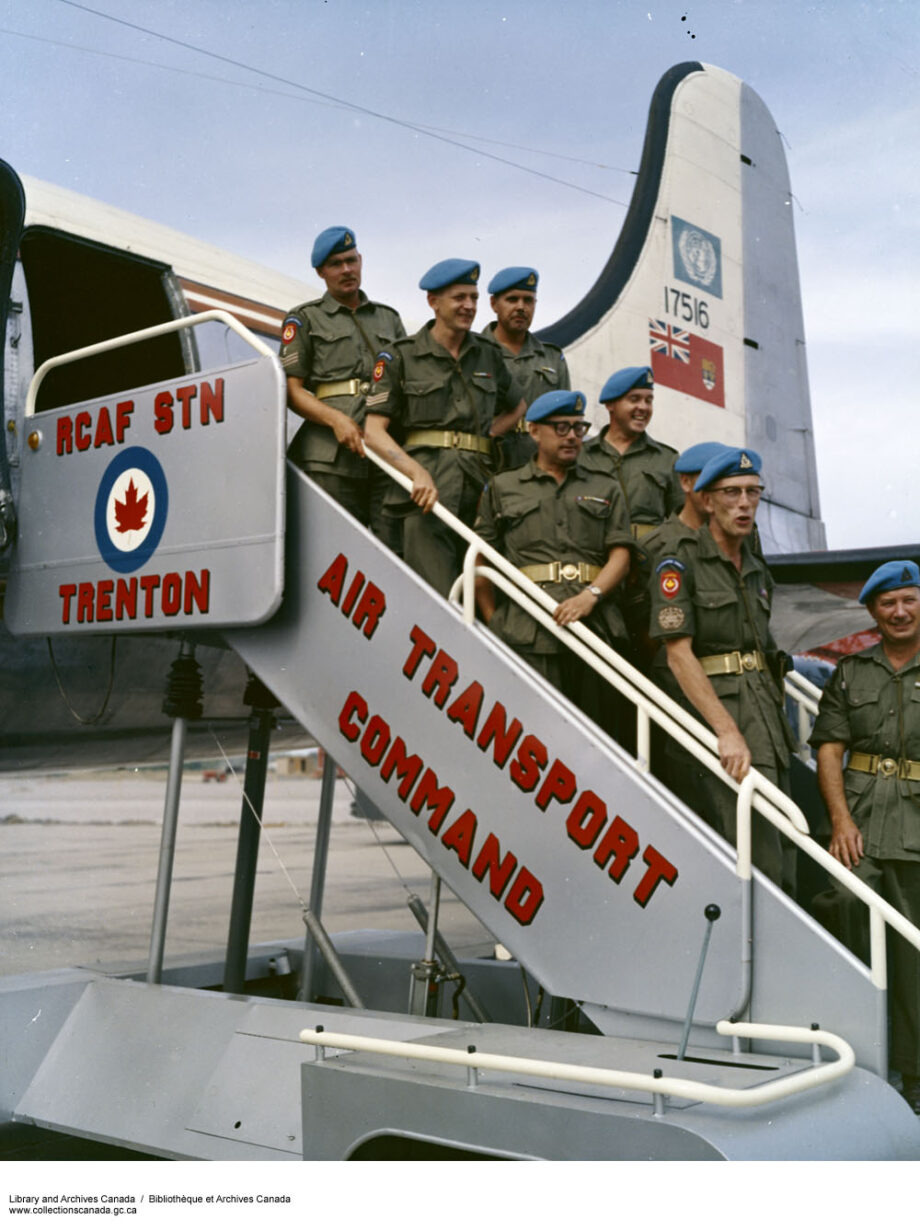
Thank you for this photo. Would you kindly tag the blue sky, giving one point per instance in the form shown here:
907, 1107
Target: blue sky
258, 166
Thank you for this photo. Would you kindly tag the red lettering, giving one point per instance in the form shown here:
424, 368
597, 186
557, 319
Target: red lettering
376, 740
103, 429
126, 598
85, 597
524, 897
422, 646
429, 794
370, 609
658, 869
441, 678
67, 593
171, 598
212, 401
198, 591
353, 590
586, 819
459, 837
620, 840
104, 601
81, 425
186, 395
355, 706
500, 869
64, 435
149, 585
466, 707
407, 768
123, 412
531, 760
162, 413
504, 737
333, 579
558, 784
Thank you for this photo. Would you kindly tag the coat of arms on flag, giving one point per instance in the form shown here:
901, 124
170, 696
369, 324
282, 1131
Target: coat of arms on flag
684, 361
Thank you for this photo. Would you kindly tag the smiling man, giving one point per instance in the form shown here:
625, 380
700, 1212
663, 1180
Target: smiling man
447, 393
539, 367
710, 604
871, 709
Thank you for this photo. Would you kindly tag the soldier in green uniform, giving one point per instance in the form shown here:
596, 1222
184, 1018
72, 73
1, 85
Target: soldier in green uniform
538, 366
566, 529
644, 469
710, 603
328, 350
871, 709
448, 393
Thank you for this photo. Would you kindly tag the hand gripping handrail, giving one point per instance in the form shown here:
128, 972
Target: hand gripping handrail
658, 1086
142, 335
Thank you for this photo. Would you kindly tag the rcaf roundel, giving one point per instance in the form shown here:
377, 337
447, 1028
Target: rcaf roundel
131, 507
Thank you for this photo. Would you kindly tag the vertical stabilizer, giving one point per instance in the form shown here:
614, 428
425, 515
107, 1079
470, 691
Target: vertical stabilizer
703, 285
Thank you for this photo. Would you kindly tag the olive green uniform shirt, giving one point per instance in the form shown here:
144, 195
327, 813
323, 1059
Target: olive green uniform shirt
663, 541
419, 386
330, 342
696, 591
873, 708
645, 473
531, 519
539, 367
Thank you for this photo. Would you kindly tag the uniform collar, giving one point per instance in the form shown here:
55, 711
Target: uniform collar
426, 344
709, 549
529, 346
641, 442
533, 473
330, 304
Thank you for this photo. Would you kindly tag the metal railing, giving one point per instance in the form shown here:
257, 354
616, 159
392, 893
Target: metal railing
755, 791
659, 1087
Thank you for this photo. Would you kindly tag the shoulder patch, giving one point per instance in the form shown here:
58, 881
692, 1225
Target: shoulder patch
289, 329
671, 563
670, 618
381, 365
669, 579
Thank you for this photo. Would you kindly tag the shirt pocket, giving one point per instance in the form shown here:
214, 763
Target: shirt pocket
717, 621
863, 718
516, 508
549, 376
426, 401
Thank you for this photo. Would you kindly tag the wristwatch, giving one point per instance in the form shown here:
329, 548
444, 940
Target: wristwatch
595, 590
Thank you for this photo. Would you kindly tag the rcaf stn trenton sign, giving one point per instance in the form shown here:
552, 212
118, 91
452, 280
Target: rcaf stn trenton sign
157, 508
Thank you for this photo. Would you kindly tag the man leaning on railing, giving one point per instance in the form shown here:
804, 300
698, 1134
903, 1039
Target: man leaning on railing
871, 709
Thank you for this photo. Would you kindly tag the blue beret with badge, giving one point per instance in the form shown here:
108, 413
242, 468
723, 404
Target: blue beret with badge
897, 574
450, 272
515, 277
560, 401
333, 239
626, 379
728, 463
692, 459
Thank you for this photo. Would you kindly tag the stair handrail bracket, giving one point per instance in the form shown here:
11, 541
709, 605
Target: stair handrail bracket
142, 335
611, 1078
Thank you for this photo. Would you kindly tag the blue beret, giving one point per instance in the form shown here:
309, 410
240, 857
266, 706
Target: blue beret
446, 273
897, 574
726, 464
625, 379
692, 459
333, 239
560, 401
515, 277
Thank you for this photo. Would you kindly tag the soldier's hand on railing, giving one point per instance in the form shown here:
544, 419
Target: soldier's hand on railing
734, 754
573, 609
424, 492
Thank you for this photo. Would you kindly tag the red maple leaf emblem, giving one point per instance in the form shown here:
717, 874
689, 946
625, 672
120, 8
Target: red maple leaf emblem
131, 512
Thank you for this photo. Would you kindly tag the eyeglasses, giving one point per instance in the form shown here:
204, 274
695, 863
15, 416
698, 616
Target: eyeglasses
732, 495
562, 428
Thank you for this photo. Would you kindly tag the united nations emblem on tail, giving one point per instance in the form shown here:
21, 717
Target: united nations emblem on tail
697, 256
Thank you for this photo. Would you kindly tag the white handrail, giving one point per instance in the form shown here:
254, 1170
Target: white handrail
663, 1086
141, 335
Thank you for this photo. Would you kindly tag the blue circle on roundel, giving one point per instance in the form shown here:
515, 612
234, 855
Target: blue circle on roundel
141, 459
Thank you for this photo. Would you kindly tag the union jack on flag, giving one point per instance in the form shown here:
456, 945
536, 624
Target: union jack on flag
666, 340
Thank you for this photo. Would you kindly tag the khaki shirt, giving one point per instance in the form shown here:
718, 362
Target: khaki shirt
531, 519
539, 367
664, 540
325, 342
695, 591
873, 708
645, 472
419, 386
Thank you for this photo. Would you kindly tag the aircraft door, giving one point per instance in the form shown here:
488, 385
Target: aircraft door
12, 216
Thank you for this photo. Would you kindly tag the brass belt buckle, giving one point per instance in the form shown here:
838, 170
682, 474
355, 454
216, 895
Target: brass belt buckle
455, 439
569, 572
887, 767
364, 386
748, 661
